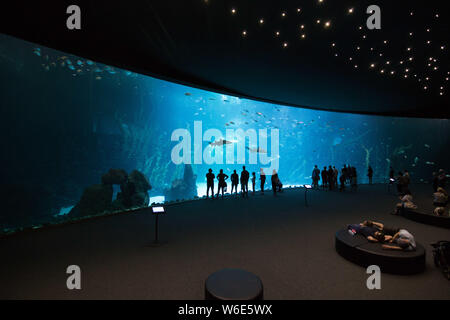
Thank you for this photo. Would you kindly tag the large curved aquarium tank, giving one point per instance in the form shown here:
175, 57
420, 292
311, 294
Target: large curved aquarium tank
80, 138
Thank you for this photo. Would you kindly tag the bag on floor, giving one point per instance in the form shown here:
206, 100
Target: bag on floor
441, 253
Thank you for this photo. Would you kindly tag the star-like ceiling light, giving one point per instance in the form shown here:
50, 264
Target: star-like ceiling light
233, 11
350, 11
327, 24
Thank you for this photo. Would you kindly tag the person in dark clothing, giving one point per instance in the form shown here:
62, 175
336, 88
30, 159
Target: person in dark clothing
370, 174
370, 233
335, 177
349, 174
262, 177
234, 181
210, 183
330, 175
324, 177
253, 181
316, 177
222, 177
344, 173
276, 183
245, 176
388, 230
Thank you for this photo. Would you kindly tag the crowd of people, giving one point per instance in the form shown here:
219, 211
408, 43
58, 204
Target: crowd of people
243, 180
330, 177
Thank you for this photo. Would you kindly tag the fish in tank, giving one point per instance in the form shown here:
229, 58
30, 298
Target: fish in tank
81, 138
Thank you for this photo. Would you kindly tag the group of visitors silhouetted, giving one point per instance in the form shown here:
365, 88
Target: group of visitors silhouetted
330, 177
277, 186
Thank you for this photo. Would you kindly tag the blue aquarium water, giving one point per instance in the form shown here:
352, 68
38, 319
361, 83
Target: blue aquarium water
66, 121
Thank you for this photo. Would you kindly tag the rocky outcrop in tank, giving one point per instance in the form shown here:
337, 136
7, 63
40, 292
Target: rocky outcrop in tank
134, 192
115, 176
185, 188
97, 199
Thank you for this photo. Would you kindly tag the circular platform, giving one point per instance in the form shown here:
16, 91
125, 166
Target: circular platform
233, 284
431, 219
364, 253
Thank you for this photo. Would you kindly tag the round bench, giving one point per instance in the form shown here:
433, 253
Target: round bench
364, 253
233, 284
431, 219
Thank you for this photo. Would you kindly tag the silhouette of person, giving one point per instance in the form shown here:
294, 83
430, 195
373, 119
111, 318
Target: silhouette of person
245, 176
222, 184
330, 175
210, 183
316, 176
370, 174
234, 181
262, 177
335, 176
324, 177
253, 181
275, 182
349, 174
344, 172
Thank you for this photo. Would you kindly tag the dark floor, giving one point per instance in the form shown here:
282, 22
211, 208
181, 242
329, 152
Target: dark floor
290, 247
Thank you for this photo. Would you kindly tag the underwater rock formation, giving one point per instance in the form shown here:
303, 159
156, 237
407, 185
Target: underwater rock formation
115, 176
185, 188
134, 192
95, 199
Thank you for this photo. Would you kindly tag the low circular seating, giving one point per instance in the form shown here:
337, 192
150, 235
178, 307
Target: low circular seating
431, 219
233, 284
364, 253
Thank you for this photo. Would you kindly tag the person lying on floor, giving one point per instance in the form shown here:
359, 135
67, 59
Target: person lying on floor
402, 240
369, 232
387, 230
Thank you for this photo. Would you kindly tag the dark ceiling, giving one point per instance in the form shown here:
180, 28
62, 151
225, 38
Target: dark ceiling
400, 70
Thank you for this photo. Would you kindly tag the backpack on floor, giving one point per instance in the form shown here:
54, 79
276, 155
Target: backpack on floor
441, 253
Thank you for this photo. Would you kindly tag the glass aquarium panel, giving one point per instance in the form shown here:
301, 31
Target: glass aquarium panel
80, 138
